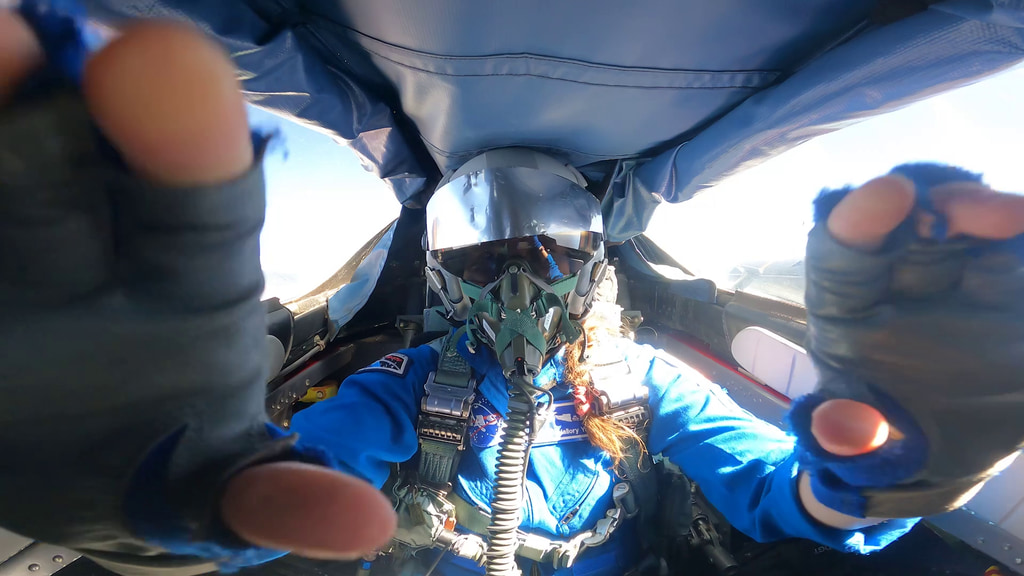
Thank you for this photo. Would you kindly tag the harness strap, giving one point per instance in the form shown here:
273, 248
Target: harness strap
444, 422
444, 414
622, 397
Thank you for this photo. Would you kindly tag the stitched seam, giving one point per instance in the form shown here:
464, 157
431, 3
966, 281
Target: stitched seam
582, 82
554, 59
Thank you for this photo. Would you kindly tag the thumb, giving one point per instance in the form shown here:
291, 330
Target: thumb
848, 428
310, 510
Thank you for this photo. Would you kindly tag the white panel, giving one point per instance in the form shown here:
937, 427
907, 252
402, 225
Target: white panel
777, 362
804, 378
1001, 494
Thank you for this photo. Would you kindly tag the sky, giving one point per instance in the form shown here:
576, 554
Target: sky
764, 213
321, 206
304, 167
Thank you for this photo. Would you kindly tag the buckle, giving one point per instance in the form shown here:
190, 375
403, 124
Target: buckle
633, 418
445, 400
440, 429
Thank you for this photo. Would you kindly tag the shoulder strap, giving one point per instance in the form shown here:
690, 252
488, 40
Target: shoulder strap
444, 414
623, 397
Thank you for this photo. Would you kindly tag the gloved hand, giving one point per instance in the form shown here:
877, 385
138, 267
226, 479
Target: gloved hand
922, 320
131, 330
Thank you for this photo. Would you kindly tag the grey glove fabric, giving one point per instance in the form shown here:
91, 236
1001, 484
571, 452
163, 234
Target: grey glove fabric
930, 332
132, 340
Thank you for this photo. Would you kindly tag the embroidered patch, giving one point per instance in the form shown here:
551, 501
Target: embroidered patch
393, 363
563, 425
484, 424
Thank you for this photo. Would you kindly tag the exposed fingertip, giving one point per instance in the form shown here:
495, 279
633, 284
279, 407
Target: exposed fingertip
20, 52
866, 216
169, 100
974, 209
310, 510
848, 428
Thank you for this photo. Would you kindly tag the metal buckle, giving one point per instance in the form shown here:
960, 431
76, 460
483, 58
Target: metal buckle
633, 417
445, 400
620, 396
441, 429
607, 525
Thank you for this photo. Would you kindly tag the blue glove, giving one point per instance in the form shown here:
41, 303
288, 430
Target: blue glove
931, 333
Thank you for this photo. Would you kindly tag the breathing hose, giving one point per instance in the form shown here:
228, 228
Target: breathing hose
506, 502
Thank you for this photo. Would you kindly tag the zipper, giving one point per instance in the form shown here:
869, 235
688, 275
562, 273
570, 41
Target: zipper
575, 509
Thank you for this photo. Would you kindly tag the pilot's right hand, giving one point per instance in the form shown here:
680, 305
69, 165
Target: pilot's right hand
916, 326
132, 377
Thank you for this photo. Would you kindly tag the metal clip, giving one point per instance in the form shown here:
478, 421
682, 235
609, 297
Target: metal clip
446, 400
607, 525
604, 528
625, 500
564, 554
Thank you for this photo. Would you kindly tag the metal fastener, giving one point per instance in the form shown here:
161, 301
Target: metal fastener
981, 539
33, 567
1007, 547
58, 559
1018, 561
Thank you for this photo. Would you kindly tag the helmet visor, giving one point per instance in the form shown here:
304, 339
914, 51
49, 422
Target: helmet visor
507, 203
544, 256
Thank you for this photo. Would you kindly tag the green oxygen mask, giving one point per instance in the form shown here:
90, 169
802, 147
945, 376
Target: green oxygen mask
522, 318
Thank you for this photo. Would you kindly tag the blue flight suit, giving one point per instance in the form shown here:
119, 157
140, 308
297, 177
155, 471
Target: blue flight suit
745, 466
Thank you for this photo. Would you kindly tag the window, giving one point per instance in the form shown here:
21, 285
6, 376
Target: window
322, 206
749, 232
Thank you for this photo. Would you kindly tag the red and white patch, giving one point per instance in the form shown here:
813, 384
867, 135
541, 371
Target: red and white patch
393, 363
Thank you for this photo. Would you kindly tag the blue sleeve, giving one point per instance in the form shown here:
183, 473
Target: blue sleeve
371, 423
745, 466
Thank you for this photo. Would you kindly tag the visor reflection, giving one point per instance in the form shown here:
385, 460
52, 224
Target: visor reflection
484, 263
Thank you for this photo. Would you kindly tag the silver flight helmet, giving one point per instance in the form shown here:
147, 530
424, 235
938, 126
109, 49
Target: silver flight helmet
515, 249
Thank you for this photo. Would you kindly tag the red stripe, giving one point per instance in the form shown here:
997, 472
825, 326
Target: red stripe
685, 341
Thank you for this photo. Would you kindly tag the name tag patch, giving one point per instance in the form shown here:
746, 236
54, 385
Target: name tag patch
392, 363
562, 425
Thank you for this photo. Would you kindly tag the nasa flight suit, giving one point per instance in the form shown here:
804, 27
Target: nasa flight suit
745, 466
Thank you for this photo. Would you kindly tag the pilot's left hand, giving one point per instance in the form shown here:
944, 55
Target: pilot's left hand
110, 332
915, 284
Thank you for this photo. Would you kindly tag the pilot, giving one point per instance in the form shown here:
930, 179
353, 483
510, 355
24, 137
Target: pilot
526, 436
532, 349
